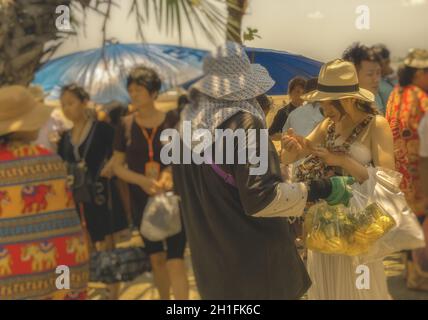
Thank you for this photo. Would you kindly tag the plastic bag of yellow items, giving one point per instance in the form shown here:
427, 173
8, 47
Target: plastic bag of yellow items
345, 230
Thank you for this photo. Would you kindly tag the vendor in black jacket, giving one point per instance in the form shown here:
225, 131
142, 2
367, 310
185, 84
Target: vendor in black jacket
234, 214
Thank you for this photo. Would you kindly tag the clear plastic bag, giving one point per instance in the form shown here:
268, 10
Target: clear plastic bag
161, 217
382, 188
344, 230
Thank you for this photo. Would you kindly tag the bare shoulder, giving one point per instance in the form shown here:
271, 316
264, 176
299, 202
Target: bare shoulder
380, 124
381, 131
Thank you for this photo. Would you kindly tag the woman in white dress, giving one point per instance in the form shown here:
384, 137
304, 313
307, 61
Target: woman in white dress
351, 138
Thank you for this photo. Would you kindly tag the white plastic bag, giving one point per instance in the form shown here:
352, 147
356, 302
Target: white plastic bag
382, 188
161, 217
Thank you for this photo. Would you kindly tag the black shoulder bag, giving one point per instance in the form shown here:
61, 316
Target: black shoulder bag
118, 264
83, 184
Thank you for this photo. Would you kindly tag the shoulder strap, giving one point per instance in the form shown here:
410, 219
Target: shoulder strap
331, 137
227, 177
357, 130
127, 123
88, 144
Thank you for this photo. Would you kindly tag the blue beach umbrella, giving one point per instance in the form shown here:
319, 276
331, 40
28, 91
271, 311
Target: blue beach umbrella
103, 75
177, 66
284, 66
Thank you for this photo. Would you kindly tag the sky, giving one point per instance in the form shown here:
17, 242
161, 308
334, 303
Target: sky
320, 29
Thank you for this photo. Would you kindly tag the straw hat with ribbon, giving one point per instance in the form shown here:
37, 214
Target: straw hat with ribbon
338, 80
417, 58
229, 75
20, 111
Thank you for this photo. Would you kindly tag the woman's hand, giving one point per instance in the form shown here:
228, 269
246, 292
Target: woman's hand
150, 186
294, 147
165, 180
107, 171
292, 142
329, 158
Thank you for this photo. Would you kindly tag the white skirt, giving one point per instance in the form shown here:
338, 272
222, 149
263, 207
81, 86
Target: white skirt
334, 277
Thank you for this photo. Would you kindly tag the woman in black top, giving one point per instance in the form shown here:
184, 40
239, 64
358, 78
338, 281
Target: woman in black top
95, 139
137, 161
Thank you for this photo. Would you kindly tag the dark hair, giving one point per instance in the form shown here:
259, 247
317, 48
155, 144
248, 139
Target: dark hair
364, 106
381, 50
406, 75
296, 82
357, 53
311, 85
116, 113
264, 102
146, 77
77, 91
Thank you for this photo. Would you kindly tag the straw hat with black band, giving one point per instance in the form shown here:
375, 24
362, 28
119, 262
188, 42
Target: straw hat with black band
338, 80
20, 111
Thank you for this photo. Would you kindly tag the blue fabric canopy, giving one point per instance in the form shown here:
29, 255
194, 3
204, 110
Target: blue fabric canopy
104, 76
284, 66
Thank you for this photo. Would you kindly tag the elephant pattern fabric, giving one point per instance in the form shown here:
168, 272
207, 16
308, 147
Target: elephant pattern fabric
40, 228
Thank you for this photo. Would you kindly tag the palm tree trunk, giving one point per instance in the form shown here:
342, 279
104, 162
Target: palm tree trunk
25, 27
236, 10
28, 32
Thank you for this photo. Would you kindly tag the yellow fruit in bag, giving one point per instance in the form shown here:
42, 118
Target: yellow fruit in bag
356, 249
316, 240
360, 238
385, 222
308, 223
319, 237
336, 245
311, 243
374, 231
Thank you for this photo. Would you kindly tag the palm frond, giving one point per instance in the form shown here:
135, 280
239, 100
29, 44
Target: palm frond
209, 16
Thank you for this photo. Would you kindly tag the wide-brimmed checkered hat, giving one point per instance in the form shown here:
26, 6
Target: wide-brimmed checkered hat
229, 75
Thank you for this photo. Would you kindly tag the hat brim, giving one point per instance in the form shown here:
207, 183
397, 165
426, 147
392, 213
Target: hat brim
236, 87
317, 95
31, 121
